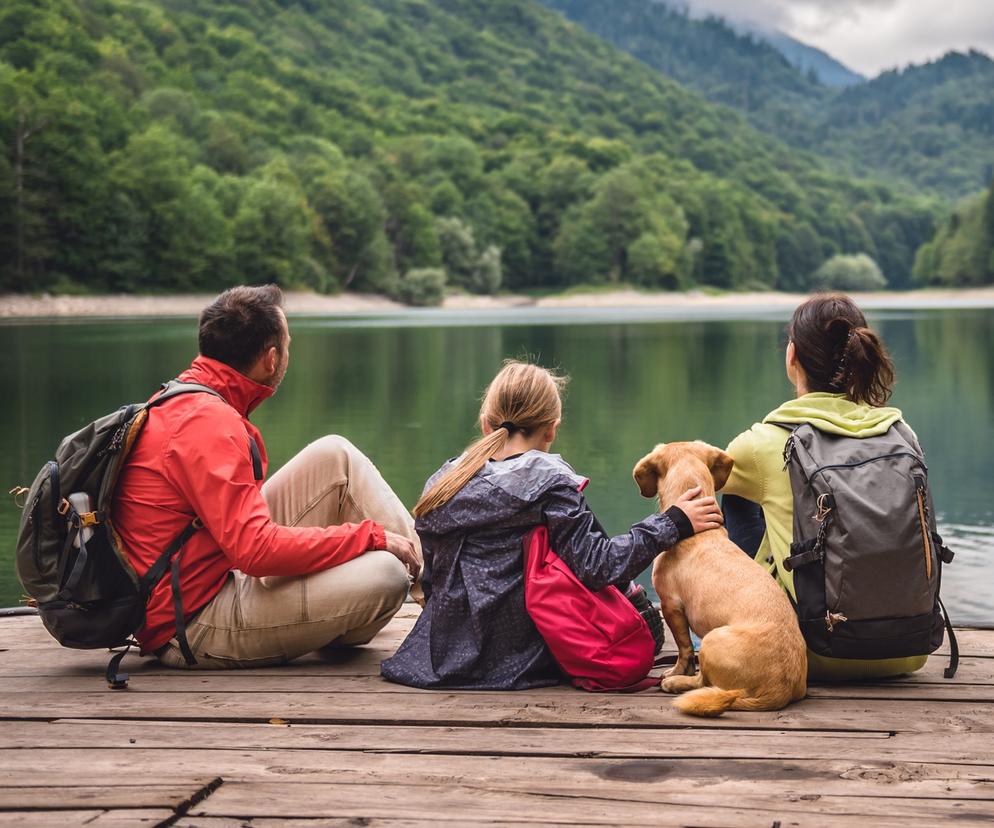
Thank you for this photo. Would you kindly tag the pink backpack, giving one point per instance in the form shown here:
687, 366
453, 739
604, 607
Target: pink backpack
598, 638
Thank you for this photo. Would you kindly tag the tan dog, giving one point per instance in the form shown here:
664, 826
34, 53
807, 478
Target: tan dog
752, 655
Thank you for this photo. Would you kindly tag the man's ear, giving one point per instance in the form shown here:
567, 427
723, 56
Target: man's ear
646, 472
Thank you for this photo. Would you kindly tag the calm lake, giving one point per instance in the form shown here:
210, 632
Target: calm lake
406, 390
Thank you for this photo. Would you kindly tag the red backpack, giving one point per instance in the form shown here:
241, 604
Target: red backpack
598, 638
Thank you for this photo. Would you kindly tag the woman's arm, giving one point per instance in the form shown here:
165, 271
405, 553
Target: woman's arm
746, 479
597, 559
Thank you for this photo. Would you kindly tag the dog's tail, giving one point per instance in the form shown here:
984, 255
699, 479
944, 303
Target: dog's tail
708, 701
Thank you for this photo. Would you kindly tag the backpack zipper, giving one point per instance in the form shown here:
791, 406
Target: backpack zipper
914, 457
788, 451
923, 522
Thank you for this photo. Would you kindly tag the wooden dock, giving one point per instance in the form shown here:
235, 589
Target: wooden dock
325, 741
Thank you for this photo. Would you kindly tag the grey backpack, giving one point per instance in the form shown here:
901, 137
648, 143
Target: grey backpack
69, 556
866, 557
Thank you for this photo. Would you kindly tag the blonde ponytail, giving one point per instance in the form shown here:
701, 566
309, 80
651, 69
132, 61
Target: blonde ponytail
522, 397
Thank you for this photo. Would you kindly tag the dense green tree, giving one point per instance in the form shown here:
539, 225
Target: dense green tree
273, 232
488, 271
459, 254
173, 220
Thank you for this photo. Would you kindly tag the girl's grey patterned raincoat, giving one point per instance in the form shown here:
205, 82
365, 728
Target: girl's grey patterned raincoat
474, 632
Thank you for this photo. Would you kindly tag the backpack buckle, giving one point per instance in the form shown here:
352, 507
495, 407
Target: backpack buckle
89, 519
833, 618
64, 507
19, 493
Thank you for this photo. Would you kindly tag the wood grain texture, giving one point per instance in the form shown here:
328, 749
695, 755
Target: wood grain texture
325, 741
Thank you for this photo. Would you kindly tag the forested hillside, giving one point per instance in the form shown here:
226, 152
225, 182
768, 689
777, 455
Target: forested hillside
931, 124
709, 55
962, 252
377, 145
930, 127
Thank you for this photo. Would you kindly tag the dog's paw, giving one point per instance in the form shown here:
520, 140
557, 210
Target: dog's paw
679, 684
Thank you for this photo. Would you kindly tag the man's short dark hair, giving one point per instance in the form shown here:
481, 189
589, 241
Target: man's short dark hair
238, 326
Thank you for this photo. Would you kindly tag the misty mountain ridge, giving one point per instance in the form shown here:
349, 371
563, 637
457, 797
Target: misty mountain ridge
802, 56
810, 59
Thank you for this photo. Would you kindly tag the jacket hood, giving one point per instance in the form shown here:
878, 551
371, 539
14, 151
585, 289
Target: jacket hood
834, 414
499, 491
242, 393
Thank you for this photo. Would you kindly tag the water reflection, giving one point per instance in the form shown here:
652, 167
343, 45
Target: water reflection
408, 396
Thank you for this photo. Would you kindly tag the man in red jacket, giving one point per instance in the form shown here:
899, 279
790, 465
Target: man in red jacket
322, 553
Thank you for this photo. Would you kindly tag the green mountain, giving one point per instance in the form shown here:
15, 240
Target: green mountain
726, 65
179, 145
926, 128
932, 125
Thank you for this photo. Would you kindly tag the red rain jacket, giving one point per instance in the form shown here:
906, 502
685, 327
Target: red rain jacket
192, 459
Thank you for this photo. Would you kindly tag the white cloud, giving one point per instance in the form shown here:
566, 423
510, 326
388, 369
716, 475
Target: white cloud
871, 35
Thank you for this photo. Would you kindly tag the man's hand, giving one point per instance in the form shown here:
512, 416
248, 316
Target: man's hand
702, 512
403, 549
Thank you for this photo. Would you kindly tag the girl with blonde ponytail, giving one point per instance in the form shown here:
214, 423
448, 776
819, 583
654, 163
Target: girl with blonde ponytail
474, 631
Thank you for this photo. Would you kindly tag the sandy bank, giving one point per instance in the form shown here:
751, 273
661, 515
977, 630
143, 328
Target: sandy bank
354, 304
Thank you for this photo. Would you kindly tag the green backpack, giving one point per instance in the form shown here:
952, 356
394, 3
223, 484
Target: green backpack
69, 557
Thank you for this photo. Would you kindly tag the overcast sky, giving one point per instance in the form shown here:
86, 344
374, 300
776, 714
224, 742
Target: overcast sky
872, 35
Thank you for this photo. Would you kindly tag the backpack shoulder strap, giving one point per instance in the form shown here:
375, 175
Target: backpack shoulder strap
174, 388
792, 427
908, 435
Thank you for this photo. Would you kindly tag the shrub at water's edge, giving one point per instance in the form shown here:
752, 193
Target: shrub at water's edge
849, 273
422, 287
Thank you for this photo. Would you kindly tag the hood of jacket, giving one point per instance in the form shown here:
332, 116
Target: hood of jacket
499, 491
834, 414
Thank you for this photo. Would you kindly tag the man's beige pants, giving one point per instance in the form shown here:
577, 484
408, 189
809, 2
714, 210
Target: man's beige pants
256, 622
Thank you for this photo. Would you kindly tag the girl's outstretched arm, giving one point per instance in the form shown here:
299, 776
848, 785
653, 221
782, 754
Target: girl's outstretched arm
597, 559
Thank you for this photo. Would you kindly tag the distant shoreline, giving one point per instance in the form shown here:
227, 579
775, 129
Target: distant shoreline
122, 306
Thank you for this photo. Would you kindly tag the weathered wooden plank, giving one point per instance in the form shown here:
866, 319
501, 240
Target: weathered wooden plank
495, 709
18, 794
966, 748
465, 805
60, 819
325, 822
28, 633
974, 748
277, 681
844, 776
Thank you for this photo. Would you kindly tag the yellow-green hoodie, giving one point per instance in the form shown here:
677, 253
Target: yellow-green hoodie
758, 475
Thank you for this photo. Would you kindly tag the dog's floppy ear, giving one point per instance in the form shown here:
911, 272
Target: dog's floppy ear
721, 467
646, 472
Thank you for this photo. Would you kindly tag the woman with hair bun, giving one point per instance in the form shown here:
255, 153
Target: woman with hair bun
843, 376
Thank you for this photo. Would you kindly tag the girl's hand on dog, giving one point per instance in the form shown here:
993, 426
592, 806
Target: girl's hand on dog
702, 512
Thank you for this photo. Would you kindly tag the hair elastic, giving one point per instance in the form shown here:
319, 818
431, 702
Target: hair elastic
511, 427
